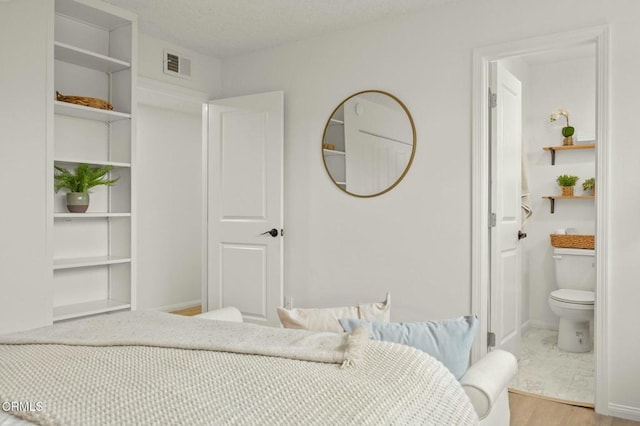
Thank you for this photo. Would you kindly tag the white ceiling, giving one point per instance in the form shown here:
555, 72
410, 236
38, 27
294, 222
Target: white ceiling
224, 28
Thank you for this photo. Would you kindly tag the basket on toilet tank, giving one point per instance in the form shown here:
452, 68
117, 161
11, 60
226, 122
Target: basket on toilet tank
573, 241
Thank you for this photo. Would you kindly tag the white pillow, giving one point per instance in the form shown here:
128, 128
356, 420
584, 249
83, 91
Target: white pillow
327, 319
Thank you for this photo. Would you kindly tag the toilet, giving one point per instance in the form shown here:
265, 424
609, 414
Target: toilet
573, 302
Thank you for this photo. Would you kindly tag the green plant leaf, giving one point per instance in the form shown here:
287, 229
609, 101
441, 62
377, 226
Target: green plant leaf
589, 184
83, 178
568, 131
567, 180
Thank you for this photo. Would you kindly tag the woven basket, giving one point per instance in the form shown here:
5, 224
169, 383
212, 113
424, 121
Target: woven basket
84, 101
573, 241
567, 191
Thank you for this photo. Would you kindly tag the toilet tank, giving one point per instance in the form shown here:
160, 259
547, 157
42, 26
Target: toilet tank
575, 268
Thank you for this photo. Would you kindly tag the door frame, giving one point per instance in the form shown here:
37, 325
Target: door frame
480, 260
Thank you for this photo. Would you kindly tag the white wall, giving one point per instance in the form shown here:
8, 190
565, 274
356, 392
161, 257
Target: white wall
170, 176
25, 277
415, 240
206, 71
571, 85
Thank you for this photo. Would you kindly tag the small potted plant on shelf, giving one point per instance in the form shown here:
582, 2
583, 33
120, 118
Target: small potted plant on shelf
78, 183
590, 185
567, 182
567, 131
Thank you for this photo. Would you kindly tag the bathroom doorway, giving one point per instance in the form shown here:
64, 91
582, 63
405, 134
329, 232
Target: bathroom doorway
540, 62
562, 80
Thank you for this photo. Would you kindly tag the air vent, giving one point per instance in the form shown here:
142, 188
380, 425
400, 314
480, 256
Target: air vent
176, 65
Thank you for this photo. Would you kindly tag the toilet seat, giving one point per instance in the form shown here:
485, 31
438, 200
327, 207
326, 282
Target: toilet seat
578, 297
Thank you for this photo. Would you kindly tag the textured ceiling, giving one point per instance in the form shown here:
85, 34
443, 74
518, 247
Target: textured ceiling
230, 27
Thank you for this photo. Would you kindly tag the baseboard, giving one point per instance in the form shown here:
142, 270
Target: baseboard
524, 327
177, 306
542, 324
624, 412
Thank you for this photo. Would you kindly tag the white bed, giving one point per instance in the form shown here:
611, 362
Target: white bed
155, 368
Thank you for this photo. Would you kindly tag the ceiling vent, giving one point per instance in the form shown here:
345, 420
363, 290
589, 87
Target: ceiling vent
176, 65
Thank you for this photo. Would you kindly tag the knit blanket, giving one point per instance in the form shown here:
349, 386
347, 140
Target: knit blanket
155, 368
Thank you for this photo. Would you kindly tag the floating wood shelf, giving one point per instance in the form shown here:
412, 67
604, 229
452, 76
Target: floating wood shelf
553, 149
553, 198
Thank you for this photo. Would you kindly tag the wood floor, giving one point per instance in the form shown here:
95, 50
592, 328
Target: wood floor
194, 310
531, 410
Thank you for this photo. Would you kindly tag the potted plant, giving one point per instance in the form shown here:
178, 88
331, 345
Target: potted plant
567, 131
78, 183
567, 182
590, 185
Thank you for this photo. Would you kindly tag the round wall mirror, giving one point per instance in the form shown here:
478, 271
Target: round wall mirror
368, 144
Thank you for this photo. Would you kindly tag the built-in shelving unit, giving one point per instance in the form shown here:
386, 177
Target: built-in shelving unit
552, 199
554, 149
93, 253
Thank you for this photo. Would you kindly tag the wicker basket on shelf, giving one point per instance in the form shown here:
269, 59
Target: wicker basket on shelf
573, 241
84, 101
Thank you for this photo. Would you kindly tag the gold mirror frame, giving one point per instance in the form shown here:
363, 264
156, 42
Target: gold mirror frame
324, 144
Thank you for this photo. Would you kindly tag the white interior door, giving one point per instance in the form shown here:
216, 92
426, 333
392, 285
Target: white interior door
506, 163
245, 181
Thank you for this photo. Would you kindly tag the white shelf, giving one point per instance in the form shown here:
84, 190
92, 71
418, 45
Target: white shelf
333, 152
92, 163
336, 121
89, 215
84, 262
80, 111
87, 308
84, 58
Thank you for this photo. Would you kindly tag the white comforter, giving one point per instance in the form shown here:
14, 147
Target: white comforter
155, 368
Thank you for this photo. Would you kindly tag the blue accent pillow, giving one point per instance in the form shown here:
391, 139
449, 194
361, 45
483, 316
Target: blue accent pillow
448, 341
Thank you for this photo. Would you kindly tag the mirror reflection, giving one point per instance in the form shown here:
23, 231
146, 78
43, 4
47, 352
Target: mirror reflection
368, 143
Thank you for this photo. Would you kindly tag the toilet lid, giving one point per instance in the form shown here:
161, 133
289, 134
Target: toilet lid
581, 297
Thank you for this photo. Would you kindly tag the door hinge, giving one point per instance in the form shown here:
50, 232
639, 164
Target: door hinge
493, 99
491, 339
492, 220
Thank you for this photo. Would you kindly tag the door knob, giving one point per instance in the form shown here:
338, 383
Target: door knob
273, 232
522, 235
